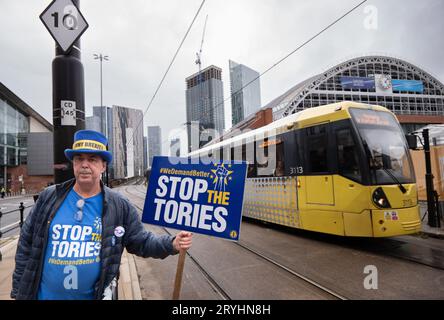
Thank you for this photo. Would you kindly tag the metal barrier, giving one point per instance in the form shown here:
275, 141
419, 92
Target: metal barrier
15, 225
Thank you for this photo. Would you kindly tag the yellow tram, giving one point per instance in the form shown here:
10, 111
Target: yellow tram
343, 169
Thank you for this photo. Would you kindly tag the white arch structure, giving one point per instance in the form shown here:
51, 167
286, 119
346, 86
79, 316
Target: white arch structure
324, 88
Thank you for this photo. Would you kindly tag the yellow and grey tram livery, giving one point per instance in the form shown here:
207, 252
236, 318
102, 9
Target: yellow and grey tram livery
342, 169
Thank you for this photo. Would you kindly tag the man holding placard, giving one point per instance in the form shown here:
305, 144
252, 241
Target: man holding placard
72, 241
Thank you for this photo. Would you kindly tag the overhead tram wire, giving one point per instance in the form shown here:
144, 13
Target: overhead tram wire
166, 72
302, 45
294, 51
291, 53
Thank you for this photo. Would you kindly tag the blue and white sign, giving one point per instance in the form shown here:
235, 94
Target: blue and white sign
357, 82
200, 198
408, 85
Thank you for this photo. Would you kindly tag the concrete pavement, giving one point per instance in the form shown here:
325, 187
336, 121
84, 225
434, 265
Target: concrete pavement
425, 228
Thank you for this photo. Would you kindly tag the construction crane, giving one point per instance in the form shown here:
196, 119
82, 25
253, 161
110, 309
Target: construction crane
199, 54
202, 109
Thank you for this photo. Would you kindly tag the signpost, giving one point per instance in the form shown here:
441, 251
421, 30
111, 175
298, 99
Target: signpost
200, 198
66, 24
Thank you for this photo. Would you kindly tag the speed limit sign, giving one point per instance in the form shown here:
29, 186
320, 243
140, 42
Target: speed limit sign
64, 22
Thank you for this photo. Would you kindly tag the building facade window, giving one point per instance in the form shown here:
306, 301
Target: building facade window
14, 127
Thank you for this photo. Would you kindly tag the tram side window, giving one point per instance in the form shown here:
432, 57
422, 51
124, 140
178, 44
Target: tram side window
317, 149
280, 164
348, 161
248, 155
270, 158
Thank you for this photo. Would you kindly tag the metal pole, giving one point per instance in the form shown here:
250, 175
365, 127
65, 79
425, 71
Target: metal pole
431, 209
101, 93
438, 211
67, 86
103, 122
22, 209
102, 127
5, 178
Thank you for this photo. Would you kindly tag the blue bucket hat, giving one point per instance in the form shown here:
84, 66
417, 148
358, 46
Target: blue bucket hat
89, 141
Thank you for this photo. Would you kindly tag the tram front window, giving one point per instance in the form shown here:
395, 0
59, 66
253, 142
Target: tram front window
385, 146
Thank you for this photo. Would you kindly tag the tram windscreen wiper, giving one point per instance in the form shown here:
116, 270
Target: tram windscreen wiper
401, 187
391, 175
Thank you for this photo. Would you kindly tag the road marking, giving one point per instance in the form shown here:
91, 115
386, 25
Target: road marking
8, 227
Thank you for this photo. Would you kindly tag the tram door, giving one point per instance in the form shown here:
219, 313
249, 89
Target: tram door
319, 180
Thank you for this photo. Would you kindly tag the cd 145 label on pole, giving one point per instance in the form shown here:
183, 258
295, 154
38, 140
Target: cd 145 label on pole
68, 113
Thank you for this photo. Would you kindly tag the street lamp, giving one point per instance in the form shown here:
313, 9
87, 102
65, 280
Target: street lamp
103, 128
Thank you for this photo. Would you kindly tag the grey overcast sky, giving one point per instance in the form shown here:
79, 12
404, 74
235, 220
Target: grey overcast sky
141, 37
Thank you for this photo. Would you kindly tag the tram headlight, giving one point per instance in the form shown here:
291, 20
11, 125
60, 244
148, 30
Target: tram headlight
380, 199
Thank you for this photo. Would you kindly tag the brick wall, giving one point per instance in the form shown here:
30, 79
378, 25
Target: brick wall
32, 184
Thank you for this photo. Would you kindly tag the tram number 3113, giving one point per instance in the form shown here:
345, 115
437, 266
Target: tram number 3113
296, 170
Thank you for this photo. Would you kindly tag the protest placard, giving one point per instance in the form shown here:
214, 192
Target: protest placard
201, 198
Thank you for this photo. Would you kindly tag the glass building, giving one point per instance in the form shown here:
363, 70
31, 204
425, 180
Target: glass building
175, 147
205, 103
245, 91
14, 127
92, 123
18, 121
102, 121
154, 143
145, 153
127, 142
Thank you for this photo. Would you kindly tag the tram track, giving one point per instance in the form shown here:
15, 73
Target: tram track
406, 249
402, 248
208, 277
223, 293
391, 247
294, 273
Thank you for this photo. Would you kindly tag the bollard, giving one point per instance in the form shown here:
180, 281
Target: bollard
22, 209
1, 214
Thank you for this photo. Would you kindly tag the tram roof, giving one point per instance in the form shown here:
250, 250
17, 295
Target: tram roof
304, 118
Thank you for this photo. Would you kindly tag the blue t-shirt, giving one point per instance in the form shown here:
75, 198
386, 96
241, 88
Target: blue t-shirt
72, 258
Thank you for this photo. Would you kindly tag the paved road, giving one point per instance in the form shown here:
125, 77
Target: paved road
10, 220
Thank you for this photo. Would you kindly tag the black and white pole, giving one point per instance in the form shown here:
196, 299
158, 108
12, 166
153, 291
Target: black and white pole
68, 99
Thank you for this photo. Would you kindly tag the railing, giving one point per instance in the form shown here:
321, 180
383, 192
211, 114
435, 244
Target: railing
15, 225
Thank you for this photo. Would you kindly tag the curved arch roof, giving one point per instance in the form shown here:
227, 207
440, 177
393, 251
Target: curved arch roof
286, 103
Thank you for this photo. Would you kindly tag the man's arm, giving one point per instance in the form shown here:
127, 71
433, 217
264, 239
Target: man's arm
144, 243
